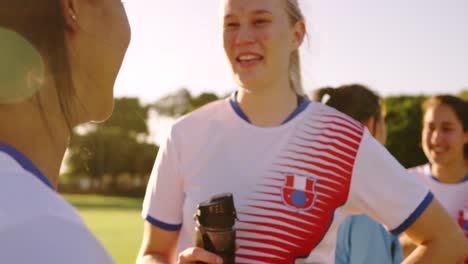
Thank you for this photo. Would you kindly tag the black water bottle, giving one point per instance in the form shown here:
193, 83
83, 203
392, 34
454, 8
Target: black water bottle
215, 230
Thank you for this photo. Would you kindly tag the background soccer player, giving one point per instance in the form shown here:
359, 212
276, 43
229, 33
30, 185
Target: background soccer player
360, 239
445, 144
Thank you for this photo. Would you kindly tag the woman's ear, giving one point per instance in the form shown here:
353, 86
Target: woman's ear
69, 12
370, 124
298, 34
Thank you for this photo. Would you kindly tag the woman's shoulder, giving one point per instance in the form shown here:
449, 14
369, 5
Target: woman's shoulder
421, 171
201, 118
47, 203
326, 113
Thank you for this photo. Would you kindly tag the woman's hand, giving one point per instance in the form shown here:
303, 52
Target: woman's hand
195, 254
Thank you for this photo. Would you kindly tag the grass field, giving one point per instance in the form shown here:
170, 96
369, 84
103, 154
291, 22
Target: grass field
115, 221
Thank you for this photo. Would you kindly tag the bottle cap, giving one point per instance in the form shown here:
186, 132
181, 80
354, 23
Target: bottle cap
217, 212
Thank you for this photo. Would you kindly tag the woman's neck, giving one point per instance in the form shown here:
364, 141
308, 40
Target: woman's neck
454, 173
267, 107
39, 132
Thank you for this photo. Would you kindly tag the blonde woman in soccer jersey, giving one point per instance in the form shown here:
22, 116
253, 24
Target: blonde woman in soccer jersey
296, 168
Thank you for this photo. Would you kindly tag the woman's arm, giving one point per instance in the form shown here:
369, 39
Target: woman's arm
439, 238
159, 247
407, 245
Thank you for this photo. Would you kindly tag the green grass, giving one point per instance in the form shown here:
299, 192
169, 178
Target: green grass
115, 221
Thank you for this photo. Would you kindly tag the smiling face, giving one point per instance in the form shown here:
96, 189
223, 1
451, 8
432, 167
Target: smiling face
443, 137
258, 40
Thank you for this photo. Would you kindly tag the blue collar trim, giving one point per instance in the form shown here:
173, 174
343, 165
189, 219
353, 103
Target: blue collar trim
302, 106
25, 163
237, 108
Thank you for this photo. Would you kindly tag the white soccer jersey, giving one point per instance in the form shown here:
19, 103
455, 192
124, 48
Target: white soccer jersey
36, 224
293, 184
453, 197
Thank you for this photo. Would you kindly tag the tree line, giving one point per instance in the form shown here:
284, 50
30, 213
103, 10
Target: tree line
116, 157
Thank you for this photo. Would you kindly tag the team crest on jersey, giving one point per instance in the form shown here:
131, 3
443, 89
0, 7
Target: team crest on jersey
298, 192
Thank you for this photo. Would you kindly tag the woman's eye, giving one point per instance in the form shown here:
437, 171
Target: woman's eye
428, 128
447, 129
260, 22
231, 25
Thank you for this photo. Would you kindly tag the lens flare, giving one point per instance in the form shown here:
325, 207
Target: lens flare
21, 68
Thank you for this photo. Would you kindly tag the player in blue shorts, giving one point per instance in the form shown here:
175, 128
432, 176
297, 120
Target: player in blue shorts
296, 168
360, 239
58, 63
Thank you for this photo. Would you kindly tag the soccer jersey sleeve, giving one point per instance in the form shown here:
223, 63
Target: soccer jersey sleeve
163, 201
383, 189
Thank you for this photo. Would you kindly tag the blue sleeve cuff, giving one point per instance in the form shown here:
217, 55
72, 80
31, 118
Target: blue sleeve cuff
162, 225
417, 212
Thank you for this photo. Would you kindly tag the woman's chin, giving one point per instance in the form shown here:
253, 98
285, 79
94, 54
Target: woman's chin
249, 80
439, 160
101, 114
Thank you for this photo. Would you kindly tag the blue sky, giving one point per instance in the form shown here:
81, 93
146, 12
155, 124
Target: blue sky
395, 47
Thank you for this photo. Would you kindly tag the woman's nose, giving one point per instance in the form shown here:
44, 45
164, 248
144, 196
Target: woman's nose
244, 35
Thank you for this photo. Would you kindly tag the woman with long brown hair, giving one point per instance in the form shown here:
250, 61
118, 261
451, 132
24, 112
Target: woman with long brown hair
58, 63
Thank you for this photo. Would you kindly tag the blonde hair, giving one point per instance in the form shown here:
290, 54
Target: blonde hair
295, 79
